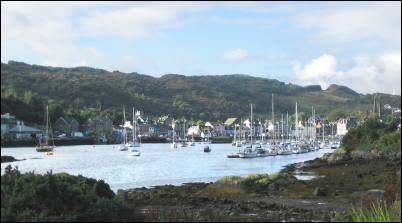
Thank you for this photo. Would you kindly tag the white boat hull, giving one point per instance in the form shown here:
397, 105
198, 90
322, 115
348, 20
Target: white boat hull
134, 153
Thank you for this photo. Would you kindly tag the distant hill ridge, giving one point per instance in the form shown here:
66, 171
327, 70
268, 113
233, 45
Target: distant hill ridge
339, 89
214, 97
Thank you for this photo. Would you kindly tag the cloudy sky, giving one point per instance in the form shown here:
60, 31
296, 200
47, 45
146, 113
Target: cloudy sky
357, 44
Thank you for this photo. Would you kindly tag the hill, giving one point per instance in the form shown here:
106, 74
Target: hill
341, 90
27, 88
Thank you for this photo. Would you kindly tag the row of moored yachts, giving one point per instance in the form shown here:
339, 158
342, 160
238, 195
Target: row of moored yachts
283, 148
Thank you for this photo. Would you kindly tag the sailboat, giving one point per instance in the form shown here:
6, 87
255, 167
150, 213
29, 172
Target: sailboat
239, 142
123, 146
184, 141
248, 151
135, 142
174, 144
207, 148
45, 147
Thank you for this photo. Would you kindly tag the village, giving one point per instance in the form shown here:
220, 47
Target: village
100, 130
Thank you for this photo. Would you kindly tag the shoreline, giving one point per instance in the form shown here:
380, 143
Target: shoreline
337, 187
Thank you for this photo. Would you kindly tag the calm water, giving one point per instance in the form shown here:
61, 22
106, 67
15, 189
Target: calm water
157, 165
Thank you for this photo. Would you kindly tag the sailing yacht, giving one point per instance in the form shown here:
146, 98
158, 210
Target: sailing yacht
135, 142
123, 146
248, 151
174, 144
45, 147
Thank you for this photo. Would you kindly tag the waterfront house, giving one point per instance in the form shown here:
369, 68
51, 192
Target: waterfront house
344, 124
194, 131
230, 126
144, 129
23, 132
218, 130
67, 125
100, 127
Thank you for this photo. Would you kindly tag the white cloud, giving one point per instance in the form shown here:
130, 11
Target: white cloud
51, 32
322, 67
368, 75
43, 31
236, 55
379, 21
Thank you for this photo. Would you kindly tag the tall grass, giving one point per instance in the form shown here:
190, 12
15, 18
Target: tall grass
378, 212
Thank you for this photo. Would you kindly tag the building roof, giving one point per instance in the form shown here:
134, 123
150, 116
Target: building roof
24, 129
7, 117
230, 121
68, 120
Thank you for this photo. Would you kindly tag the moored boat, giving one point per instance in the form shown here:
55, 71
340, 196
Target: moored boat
45, 147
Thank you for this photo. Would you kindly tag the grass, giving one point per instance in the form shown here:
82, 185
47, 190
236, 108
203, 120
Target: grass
378, 212
214, 191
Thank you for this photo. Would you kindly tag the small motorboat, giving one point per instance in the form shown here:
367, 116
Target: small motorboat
233, 155
134, 152
122, 148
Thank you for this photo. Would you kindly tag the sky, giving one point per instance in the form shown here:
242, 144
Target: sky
357, 44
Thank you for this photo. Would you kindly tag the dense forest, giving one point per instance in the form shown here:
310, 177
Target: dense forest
84, 92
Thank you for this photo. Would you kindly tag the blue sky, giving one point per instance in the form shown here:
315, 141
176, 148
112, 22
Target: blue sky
357, 44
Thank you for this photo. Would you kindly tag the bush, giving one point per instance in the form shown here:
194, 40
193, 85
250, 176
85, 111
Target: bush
374, 134
58, 197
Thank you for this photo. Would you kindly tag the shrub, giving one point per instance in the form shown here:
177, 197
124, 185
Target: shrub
58, 197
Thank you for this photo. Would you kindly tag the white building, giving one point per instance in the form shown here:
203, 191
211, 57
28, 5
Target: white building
194, 130
341, 127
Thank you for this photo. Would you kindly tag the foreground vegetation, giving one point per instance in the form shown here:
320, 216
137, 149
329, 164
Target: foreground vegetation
380, 136
59, 197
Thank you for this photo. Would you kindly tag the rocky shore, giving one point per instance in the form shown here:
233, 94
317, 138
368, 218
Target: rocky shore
7, 159
336, 183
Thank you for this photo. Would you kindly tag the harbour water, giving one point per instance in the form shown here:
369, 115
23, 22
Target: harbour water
157, 165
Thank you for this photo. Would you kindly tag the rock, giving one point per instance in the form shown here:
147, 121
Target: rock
374, 194
6, 159
319, 192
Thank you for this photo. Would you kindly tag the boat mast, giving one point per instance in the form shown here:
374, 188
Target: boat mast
282, 128
124, 122
287, 125
296, 121
173, 125
261, 130
234, 134
184, 131
273, 118
241, 129
47, 125
251, 105
323, 130
134, 127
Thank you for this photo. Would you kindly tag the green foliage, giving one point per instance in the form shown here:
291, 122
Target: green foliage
336, 114
258, 182
58, 197
378, 212
374, 134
